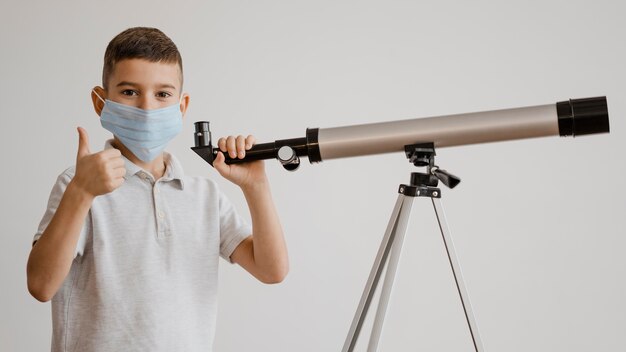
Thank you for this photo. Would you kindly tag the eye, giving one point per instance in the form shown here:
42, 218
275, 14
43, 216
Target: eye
129, 92
163, 94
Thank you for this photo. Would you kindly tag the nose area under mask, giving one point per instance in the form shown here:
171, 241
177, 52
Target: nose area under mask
144, 132
146, 104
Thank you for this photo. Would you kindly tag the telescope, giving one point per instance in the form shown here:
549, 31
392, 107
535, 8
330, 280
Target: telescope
418, 139
574, 117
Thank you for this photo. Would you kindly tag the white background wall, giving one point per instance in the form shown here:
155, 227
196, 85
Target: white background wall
538, 224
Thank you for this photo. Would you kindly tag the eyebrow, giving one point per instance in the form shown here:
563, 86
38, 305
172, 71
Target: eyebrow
126, 83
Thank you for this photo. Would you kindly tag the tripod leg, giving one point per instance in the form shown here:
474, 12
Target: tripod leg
458, 278
374, 277
390, 274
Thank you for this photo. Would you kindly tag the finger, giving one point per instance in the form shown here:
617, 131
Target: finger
250, 141
115, 163
221, 143
118, 162
83, 143
241, 147
220, 165
112, 153
231, 147
118, 182
119, 172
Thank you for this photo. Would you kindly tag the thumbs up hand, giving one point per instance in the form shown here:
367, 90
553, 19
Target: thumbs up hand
99, 173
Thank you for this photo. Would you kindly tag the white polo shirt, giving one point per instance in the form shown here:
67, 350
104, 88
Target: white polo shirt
145, 273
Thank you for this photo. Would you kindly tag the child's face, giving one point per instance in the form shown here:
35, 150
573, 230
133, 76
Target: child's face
143, 84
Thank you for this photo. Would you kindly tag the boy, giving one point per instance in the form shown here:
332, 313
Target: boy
128, 247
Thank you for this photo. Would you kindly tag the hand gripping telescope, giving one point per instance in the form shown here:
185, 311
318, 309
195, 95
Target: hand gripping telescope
574, 117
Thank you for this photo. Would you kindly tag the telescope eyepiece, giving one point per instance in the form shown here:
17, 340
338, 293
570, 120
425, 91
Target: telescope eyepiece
202, 136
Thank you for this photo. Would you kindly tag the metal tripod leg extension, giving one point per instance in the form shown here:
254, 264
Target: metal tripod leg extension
389, 254
458, 275
397, 225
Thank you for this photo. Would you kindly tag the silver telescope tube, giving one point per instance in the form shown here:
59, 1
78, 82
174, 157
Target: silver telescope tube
463, 129
443, 131
574, 117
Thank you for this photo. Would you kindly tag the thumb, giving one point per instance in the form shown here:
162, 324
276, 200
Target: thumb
220, 165
83, 143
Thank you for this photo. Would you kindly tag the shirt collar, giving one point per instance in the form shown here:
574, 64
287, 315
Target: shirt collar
173, 169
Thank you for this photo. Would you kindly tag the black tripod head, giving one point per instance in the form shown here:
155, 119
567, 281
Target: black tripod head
423, 155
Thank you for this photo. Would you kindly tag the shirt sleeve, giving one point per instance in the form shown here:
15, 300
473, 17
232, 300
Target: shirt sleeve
53, 203
233, 229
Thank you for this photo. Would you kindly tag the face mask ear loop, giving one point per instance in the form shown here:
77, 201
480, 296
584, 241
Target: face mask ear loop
98, 95
180, 101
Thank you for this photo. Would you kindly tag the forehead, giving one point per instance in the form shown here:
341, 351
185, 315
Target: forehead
145, 73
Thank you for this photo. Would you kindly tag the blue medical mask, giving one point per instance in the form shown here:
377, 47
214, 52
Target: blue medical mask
144, 132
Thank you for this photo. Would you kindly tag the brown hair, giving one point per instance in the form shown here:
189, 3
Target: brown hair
140, 43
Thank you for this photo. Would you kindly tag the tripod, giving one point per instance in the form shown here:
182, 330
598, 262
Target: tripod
422, 185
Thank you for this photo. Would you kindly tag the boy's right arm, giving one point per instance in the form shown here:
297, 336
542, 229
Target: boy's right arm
52, 255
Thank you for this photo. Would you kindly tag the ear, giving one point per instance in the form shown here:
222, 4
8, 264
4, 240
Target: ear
98, 105
184, 103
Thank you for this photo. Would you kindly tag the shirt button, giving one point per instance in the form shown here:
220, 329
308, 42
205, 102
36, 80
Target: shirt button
161, 214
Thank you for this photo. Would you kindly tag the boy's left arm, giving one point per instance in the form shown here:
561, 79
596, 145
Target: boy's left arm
264, 254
